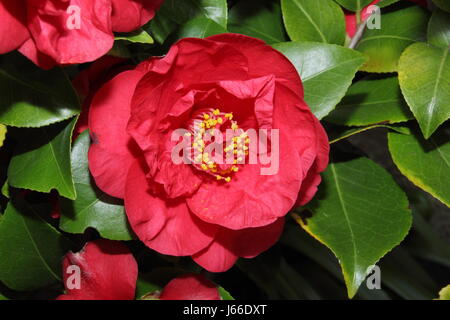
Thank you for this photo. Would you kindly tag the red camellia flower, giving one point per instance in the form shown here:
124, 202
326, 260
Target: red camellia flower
190, 287
207, 209
53, 32
108, 271
351, 21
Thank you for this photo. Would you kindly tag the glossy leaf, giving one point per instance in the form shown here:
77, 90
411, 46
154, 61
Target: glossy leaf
32, 97
370, 102
200, 28
398, 30
424, 75
326, 71
259, 19
41, 160
92, 208
354, 5
31, 250
426, 163
314, 20
354, 216
439, 29
174, 13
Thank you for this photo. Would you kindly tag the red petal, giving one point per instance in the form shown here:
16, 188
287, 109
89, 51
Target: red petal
190, 287
129, 15
29, 50
48, 22
12, 29
108, 272
110, 155
164, 225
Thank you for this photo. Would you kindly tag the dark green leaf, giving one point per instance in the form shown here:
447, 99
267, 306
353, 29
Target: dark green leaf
31, 250
200, 27
314, 20
92, 208
439, 29
41, 160
370, 102
32, 97
398, 30
356, 218
351, 132
259, 19
174, 13
326, 71
443, 4
426, 163
424, 75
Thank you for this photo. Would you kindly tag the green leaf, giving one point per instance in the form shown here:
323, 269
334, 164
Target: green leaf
200, 27
326, 71
424, 75
174, 13
258, 19
41, 160
224, 294
356, 218
371, 101
426, 243
426, 163
444, 294
443, 4
92, 208
354, 5
314, 20
399, 29
351, 132
31, 250
3, 130
32, 97
439, 29
138, 36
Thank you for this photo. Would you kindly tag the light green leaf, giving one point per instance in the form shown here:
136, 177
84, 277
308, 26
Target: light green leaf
439, 29
92, 208
138, 36
398, 30
3, 130
326, 71
224, 294
371, 101
424, 75
354, 5
31, 250
41, 160
259, 19
199, 28
32, 97
174, 13
444, 294
356, 218
426, 163
314, 20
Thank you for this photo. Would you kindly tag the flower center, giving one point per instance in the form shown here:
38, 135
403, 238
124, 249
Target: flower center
214, 152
